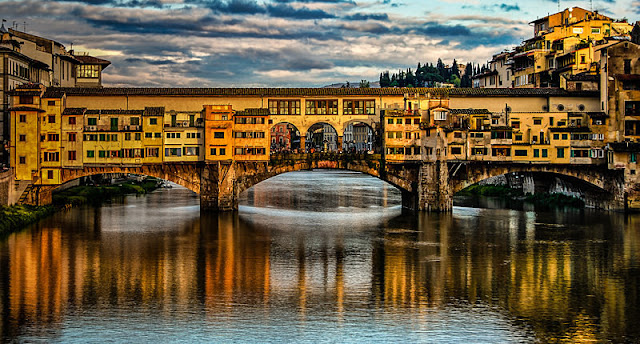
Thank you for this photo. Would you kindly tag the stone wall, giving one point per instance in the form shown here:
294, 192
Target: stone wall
6, 187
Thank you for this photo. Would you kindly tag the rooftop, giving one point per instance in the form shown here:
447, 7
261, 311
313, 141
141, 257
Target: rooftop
320, 92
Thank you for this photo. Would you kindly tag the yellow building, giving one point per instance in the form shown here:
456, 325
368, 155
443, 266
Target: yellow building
152, 130
563, 45
183, 136
218, 129
72, 137
251, 140
25, 115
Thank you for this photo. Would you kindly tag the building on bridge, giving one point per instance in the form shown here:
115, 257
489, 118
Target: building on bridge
59, 134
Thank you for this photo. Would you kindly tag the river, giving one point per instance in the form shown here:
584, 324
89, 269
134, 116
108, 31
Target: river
320, 257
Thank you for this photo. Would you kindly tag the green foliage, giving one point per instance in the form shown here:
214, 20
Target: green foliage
17, 217
555, 199
364, 84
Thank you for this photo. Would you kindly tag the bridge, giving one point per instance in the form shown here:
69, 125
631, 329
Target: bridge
429, 143
425, 186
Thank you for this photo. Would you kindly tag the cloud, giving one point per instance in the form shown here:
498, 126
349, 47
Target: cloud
363, 16
509, 8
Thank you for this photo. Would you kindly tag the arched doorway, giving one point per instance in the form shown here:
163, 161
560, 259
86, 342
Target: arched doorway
322, 137
285, 138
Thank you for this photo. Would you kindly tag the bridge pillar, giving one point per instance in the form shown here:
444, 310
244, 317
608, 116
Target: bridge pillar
209, 187
433, 191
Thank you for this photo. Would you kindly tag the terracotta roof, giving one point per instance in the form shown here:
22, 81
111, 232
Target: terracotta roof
470, 112
625, 146
582, 77
25, 108
253, 112
301, 92
154, 111
51, 93
571, 130
85, 59
114, 112
29, 86
24, 93
73, 111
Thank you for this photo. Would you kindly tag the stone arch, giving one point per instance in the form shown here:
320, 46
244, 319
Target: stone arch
332, 144
605, 186
187, 175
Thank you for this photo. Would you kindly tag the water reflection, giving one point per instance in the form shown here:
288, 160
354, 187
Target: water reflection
301, 264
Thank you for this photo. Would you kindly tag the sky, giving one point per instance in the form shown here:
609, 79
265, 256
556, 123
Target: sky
283, 43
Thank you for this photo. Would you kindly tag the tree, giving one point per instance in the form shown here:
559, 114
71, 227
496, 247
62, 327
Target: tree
364, 84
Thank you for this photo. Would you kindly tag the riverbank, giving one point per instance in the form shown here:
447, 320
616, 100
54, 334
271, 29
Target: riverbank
16, 217
510, 194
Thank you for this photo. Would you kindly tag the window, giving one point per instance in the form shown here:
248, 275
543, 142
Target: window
88, 71
440, 115
456, 150
518, 137
595, 30
191, 151
556, 136
249, 120
544, 153
579, 153
223, 151
53, 137
359, 107
52, 118
72, 120
148, 135
26, 100
92, 121
157, 135
520, 152
49, 174
515, 125
134, 121
153, 121
127, 136
51, 103
51, 156
632, 108
213, 151
633, 157
536, 153
23, 160
138, 136
284, 107
390, 121
399, 121
72, 155
560, 152
90, 154
627, 66
72, 137
22, 138
153, 152
478, 151
218, 135
321, 107
102, 154
537, 121
583, 59
23, 118
564, 136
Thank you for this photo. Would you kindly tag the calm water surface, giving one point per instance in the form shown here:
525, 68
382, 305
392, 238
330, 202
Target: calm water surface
319, 257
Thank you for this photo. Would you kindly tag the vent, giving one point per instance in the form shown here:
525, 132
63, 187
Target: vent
581, 107
545, 108
560, 107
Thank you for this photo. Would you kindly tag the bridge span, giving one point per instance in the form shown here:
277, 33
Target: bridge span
425, 186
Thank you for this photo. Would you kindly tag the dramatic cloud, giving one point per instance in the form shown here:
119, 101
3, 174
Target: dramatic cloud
279, 43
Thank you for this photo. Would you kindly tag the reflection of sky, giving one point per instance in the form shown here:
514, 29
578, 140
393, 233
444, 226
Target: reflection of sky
256, 324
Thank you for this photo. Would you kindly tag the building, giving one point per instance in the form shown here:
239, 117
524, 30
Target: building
498, 75
27, 58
